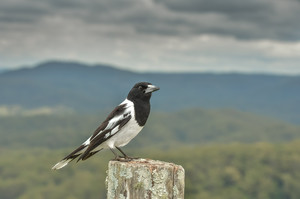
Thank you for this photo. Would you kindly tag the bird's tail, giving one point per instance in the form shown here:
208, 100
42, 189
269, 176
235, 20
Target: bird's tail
77, 152
61, 164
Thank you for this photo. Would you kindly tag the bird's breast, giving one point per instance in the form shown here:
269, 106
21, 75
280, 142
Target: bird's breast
125, 135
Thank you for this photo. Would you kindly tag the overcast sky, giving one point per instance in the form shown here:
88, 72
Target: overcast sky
152, 35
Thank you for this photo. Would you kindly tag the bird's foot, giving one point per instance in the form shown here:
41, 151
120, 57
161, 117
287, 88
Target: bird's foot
134, 158
125, 158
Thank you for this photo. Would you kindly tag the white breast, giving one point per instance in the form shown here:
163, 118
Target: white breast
128, 131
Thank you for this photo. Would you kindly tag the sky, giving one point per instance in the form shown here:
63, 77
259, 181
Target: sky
249, 36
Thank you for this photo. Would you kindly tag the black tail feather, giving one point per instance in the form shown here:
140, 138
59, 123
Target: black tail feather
85, 156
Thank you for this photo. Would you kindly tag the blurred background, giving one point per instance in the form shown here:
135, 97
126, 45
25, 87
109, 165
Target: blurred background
228, 109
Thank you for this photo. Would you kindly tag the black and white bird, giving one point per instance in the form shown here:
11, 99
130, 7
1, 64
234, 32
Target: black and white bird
121, 126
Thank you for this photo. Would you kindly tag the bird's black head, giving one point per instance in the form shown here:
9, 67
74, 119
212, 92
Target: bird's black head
142, 91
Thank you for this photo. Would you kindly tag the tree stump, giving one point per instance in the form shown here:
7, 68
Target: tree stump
144, 179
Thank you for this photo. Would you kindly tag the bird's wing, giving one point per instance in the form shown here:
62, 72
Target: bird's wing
113, 123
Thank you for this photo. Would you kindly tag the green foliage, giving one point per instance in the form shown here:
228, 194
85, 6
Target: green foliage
197, 126
27, 174
249, 171
200, 126
224, 153
261, 170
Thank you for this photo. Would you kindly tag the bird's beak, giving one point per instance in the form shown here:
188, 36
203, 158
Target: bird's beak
151, 88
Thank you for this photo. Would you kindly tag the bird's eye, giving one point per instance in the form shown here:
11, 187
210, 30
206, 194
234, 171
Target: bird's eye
140, 87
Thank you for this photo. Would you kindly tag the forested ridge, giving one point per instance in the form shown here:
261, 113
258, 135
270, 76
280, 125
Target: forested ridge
192, 126
225, 153
84, 88
247, 171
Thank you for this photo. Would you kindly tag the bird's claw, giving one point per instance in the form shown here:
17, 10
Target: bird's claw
125, 158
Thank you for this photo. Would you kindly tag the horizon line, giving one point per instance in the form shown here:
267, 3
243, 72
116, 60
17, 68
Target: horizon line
122, 68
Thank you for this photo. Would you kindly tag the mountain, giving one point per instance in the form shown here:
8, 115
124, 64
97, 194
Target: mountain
2, 70
87, 88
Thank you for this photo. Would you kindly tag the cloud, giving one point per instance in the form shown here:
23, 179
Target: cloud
255, 19
153, 35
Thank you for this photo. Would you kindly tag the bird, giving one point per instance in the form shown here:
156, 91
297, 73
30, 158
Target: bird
119, 128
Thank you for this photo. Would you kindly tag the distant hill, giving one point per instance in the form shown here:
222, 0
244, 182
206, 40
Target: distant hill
96, 88
2, 70
169, 129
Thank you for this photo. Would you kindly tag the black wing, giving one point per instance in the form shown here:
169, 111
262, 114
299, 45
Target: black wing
105, 135
101, 134
113, 123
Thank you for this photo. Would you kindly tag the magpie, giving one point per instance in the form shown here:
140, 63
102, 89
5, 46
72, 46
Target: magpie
119, 128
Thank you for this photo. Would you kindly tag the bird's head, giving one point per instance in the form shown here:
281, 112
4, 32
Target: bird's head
142, 90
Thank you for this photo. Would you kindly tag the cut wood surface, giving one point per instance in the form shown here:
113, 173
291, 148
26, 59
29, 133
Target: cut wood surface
144, 179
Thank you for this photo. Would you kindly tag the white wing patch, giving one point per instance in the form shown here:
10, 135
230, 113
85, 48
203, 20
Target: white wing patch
107, 135
113, 121
112, 132
87, 142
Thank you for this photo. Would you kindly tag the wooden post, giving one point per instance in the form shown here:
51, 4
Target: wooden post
144, 179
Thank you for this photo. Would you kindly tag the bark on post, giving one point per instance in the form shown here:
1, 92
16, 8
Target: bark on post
144, 179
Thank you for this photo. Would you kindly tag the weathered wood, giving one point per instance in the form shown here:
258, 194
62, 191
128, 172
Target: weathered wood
144, 179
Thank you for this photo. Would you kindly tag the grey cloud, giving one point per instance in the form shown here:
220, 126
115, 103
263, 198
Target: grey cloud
255, 19
12, 12
143, 34
242, 19
225, 6
236, 10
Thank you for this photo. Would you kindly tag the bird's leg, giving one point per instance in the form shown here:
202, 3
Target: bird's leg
117, 157
126, 156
